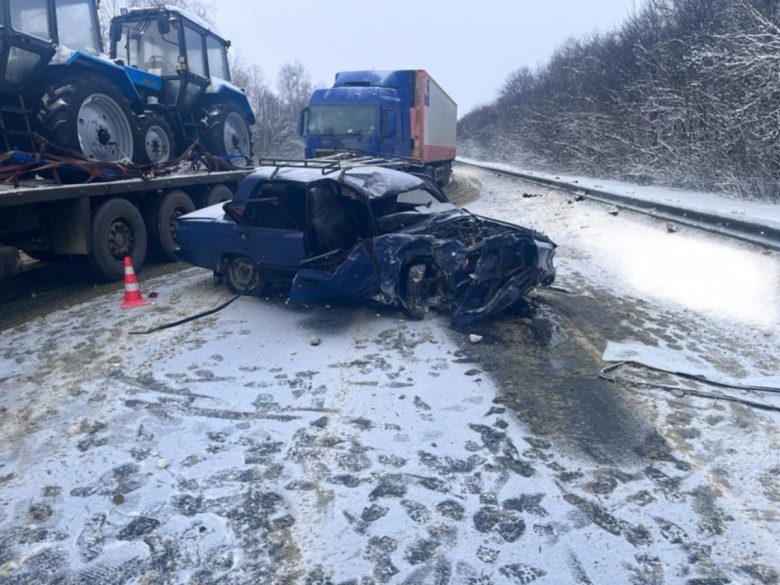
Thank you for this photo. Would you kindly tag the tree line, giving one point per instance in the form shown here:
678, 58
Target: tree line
275, 104
685, 92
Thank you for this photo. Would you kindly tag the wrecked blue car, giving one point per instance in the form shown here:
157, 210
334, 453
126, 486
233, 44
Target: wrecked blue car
365, 233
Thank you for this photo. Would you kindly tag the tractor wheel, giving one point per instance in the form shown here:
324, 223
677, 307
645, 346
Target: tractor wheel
155, 143
241, 275
118, 230
89, 115
161, 215
226, 132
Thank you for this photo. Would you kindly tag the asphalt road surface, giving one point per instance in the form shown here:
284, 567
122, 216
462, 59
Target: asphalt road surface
274, 443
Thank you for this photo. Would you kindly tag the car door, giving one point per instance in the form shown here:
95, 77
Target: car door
270, 235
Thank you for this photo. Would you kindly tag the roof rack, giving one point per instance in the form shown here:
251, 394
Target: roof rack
339, 161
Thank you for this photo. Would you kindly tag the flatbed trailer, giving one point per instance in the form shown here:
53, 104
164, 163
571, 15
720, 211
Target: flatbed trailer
105, 221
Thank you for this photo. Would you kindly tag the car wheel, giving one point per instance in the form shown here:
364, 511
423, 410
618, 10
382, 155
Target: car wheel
413, 292
241, 275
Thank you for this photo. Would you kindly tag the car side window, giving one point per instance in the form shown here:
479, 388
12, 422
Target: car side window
268, 213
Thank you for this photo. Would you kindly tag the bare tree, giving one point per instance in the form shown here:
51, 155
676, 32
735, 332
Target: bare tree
684, 92
275, 133
294, 86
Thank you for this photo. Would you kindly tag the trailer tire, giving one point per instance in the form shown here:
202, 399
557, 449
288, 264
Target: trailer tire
118, 230
9, 262
88, 114
241, 275
161, 216
445, 176
219, 193
226, 132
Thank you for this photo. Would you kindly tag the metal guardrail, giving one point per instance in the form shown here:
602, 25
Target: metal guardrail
745, 231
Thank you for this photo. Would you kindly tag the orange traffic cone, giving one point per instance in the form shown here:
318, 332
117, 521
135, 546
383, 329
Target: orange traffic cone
133, 297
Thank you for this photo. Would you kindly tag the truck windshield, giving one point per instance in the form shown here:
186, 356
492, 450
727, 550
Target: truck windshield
143, 46
76, 26
333, 120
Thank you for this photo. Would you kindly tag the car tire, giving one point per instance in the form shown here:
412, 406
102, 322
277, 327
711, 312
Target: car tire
241, 275
118, 230
413, 292
161, 215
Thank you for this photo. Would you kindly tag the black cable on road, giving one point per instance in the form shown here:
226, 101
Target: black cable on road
604, 375
191, 318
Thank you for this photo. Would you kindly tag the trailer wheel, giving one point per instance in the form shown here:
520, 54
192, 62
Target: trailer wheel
241, 275
88, 114
155, 143
219, 193
118, 230
226, 132
161, 216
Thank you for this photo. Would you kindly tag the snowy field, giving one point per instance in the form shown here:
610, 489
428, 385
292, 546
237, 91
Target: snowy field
232, 450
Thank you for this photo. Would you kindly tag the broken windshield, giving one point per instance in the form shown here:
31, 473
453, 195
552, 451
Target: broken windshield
334, 120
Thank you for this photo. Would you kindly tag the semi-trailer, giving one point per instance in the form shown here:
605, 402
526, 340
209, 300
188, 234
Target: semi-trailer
402, 113
103, 222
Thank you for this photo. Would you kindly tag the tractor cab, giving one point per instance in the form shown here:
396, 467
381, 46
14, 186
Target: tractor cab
32, 30
178, 48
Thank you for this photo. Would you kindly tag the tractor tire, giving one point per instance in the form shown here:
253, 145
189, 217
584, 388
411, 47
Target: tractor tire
88, 115
118, 230
241, 275
226, 132
155, 143
161, 215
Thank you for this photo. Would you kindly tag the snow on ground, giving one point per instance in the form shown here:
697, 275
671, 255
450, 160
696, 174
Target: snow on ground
767, 214
231, 450
735, 285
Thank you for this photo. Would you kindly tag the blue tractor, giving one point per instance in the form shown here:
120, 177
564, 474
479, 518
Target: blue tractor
166, 84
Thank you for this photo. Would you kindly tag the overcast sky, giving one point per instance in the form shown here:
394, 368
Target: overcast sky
468, 46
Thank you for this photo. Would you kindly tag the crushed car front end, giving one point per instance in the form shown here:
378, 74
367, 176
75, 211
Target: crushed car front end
477, 267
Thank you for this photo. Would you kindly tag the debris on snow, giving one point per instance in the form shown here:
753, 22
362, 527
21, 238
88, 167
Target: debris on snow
314, 340
613, 211
475, 339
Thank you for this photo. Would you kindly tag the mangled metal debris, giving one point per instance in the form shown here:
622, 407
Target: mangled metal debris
367, 233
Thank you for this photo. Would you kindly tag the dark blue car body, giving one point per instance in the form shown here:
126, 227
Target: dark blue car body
366, 233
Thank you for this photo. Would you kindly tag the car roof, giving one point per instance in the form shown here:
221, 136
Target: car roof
372, 181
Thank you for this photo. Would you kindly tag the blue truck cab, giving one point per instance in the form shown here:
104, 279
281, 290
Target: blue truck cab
393, 113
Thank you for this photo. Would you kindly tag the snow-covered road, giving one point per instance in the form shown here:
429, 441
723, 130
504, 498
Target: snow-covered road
231, 450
